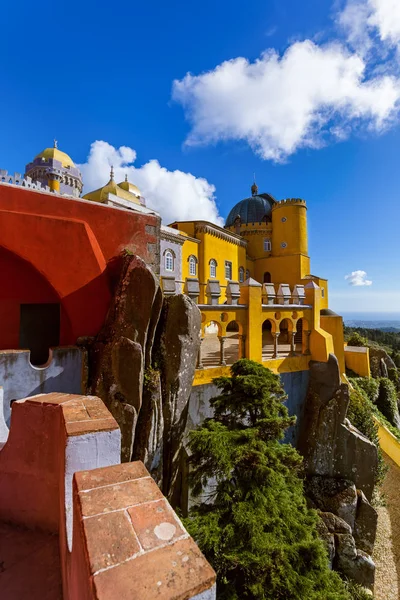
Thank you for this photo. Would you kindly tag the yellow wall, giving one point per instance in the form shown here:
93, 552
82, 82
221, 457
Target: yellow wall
334, 325
212, 247
255, 236
357, 359
389, 443
189, 248
283, 269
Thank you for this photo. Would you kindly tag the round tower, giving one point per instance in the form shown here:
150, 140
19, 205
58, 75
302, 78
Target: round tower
56, 170
289, 227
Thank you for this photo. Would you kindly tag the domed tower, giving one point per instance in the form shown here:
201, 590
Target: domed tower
276, 235
56, 169
252, 218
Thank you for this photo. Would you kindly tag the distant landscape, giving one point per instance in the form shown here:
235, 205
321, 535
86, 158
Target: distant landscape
384, 321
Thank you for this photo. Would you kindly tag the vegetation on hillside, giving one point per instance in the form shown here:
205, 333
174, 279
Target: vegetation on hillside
361, 414
387, 339
252, 522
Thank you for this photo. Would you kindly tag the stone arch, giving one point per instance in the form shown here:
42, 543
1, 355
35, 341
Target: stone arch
233, 344
211, 343
268, 338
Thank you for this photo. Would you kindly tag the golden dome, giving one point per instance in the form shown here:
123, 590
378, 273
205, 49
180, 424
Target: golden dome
129, 187
124, 190
56, 154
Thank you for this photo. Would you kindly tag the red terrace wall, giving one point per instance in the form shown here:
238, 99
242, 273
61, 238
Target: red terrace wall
57, 249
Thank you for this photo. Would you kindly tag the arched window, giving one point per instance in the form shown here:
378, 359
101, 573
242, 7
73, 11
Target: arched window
247, 274
169, 261
267, 245
228, 270
213, 268
267, 277
192, 266
241, 274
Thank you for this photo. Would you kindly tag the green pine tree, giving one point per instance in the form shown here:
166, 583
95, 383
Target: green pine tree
254, 526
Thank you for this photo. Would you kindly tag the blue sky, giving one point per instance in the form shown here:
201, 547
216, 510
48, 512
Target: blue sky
311, 107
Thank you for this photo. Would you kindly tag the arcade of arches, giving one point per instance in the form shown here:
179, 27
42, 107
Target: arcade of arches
280, 339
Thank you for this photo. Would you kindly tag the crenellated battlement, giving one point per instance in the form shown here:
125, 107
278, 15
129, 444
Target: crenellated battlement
289, 201
18, 179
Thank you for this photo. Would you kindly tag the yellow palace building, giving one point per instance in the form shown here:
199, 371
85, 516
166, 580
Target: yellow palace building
251, 280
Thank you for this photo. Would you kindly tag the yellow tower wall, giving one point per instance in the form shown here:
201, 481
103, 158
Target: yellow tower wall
54, 185
289, 226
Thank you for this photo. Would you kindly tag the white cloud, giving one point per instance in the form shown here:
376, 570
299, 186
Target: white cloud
363, 20
358, 278
385, 16
353, 19
174, 194
279, 104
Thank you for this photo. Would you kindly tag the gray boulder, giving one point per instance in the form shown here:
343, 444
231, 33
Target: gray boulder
337, 496
117, 357
380, 362
329, 540
330, 446
148, 443
175, 350
334, 523
352, 563
366, 522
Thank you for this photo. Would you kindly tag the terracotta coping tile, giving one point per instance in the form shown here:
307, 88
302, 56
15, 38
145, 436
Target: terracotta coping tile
45, 399
75, 411
118, 496
95, 407
176, 572
88, 480
155, 524
90, 426
110, 540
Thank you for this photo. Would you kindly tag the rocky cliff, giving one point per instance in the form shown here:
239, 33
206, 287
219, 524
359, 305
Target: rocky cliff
341, 467
142, 366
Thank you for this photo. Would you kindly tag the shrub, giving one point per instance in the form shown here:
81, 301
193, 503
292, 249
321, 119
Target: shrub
387, 401
360, 413
369, 386
254, 527
357, 340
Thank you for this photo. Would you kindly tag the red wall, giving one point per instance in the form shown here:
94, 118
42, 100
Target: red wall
56, 249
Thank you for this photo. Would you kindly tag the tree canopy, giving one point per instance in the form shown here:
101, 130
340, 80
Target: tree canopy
252, 521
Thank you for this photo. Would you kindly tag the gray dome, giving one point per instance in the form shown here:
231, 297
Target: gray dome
251, 210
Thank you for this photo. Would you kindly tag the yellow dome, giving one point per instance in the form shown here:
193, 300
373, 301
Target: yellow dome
124, 190
56, 154
129, 187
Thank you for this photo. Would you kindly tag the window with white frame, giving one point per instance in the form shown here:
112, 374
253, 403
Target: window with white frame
241, 275
169, 261
267, 245
213, 268
228, 269
192, 266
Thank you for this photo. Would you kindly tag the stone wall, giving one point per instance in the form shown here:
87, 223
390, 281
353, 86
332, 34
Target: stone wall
20, 379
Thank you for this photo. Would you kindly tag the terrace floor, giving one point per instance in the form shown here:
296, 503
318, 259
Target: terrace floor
29, 564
